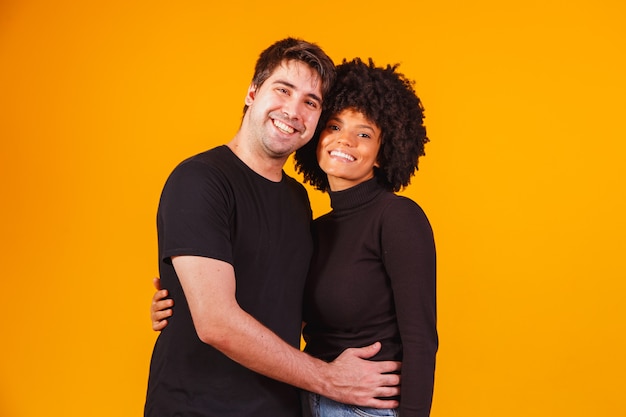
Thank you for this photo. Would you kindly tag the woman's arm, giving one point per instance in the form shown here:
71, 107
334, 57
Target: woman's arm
410, 261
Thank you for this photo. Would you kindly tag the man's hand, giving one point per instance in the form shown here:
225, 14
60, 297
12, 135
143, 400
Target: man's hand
356, 380
161, 308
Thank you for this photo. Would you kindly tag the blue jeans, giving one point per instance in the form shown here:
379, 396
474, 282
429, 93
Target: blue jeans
314, 405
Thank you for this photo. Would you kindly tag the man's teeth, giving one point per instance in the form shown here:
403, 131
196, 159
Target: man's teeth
285, 128
342, 155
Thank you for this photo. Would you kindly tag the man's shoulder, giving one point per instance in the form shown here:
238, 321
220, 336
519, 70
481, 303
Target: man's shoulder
219, 159
219, 154
208, 171
292, 182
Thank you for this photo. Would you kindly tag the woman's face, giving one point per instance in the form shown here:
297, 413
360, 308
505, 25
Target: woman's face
348, 149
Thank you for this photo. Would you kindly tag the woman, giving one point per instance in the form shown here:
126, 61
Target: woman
373, 273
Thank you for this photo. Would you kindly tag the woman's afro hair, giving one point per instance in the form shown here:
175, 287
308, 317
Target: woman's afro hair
385, 97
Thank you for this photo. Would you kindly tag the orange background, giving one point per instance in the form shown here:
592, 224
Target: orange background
523, 182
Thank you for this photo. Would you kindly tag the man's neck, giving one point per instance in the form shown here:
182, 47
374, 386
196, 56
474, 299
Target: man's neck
262, 164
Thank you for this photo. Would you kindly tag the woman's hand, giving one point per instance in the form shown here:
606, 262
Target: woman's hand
161, 308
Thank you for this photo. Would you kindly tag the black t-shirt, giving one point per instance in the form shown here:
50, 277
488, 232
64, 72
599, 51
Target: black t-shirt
215, 206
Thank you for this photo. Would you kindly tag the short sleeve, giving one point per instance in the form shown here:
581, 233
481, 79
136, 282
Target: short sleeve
194, 212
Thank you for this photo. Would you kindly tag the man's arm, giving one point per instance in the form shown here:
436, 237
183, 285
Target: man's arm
209, 287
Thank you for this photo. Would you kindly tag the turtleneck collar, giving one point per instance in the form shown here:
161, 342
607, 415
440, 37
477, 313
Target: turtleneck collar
355, 196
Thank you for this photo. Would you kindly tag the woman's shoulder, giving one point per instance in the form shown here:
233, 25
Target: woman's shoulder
398, 204
402, 214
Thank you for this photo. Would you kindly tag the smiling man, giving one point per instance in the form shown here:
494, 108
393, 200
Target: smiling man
234, 251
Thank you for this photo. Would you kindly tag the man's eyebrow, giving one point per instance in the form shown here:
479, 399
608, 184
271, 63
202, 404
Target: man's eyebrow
315, 97
290, 85
285, 83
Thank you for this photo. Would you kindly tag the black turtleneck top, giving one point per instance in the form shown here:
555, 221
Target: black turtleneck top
373, 278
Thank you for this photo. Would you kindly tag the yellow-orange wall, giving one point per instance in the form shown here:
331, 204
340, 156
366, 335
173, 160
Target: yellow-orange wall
523, 182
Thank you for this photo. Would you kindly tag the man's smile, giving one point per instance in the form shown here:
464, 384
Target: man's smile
283, 126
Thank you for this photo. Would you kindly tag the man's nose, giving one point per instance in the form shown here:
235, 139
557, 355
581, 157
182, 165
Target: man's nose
292, 109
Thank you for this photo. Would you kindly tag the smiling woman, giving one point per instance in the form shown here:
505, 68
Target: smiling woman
384, 116
373, 272
348, 149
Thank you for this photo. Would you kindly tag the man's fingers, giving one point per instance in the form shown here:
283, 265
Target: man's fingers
376, 403
385, 367
364, 381
390, 380
366, 351
388, 392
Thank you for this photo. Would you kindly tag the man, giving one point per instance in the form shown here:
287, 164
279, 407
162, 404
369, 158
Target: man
234, 250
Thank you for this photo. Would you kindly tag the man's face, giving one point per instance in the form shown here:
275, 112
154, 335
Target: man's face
283, 112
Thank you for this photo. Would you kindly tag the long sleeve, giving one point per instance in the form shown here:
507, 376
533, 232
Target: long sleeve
410, 260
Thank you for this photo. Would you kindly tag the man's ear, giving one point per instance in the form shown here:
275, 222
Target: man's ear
250, 95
